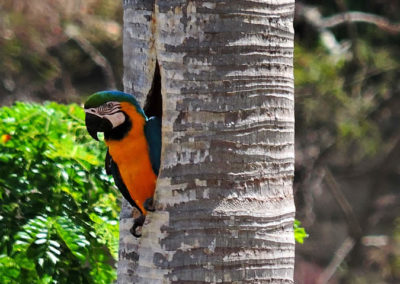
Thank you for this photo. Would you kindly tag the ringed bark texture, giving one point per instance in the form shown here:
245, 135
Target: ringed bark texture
224, 195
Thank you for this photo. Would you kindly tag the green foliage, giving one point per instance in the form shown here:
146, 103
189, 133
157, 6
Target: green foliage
337, 103
299, 232
59, 213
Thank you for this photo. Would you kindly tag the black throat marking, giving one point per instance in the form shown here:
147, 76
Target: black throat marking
119, 132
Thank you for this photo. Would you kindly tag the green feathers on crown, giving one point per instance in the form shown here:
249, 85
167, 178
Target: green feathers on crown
102, 97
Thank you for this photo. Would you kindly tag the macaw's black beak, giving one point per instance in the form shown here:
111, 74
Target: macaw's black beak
96, 124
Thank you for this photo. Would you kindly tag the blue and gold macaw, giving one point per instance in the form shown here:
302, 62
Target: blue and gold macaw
134, 146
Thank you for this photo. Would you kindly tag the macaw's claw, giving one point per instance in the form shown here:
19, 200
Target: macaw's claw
149, 205
136, 232
136, 229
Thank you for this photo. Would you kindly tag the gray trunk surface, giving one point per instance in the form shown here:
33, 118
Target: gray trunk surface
224, 195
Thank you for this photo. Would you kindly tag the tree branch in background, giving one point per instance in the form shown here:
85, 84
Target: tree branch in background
352, 222
313, 16
342, 18
338, 258
73, 33
353, 226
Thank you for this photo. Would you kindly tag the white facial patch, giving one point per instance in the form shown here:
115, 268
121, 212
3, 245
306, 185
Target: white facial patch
116, 119
92, 111
111, 111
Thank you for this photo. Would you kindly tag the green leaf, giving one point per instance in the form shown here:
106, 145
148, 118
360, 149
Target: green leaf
73, 236
52, 257
9, 269
299, 232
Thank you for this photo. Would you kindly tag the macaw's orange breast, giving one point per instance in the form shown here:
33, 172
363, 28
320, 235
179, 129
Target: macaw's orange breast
131, 154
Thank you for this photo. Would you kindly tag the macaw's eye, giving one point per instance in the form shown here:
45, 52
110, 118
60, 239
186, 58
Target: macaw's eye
104, 108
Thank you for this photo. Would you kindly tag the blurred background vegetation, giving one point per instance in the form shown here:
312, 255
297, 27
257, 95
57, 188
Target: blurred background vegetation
59, 50
58, 223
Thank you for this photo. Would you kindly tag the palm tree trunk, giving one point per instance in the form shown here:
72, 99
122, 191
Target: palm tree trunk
224, 195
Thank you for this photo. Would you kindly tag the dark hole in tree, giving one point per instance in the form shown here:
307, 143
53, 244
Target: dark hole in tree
153, 105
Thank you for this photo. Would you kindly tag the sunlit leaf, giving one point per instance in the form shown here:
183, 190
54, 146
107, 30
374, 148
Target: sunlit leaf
73, 237
299, 232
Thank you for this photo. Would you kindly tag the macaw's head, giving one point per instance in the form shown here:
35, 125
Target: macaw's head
114, 113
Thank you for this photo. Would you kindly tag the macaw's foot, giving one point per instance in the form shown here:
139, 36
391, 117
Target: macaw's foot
149, 205
136, 229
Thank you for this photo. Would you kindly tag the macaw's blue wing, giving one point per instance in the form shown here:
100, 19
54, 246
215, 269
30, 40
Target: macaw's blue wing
112, 168
152, 130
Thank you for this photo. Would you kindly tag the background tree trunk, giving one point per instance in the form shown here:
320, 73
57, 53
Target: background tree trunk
224, 195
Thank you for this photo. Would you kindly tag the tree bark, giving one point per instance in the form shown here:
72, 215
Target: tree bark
224, 200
